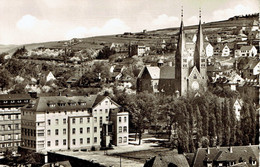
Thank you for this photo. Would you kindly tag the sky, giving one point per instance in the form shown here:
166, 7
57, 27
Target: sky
31, 21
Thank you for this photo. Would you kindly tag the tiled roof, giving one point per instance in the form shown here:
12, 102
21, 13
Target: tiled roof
154, 72
167, 72
43, 103
166, 160
223, 154
246, 48
14, 96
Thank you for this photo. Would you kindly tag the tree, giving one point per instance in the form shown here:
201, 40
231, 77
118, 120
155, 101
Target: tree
198, 126
140, 107
246, 123
226, 123
5, 79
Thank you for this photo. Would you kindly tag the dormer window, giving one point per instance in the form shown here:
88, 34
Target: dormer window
72, 103
5, 101
51, 104
19, 101
26, 101
12, 101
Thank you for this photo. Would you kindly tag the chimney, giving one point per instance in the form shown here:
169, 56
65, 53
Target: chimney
231, 149
208, 150
249, 144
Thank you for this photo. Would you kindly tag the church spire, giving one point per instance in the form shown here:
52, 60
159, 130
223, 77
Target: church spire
181, 39
198, 53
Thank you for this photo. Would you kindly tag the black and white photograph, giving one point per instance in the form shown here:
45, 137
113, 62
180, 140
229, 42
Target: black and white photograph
129, 83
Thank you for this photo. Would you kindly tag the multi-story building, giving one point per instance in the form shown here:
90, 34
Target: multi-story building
71, 122
10, 120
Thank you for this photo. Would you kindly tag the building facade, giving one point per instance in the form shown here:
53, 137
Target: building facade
188, 75
10, 120
64, 123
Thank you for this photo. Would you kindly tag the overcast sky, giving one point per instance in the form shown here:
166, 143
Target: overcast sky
29, 21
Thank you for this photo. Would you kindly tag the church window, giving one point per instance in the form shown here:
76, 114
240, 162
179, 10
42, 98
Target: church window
185, 60
184, 65
202, 60
195, 77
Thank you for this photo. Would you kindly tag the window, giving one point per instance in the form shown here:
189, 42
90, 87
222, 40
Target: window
64, 142
81, 120
81, 130
88, 140
12, 101
120, 140
88, 129
73, 141
100, 110
16, 126
125, 128
64, 131
49, 122
100, 121
195, 77
95, 139
73, 120
125, 119
56, 142
95, 129
49, 143
120, 119
81, 140
106, 110
73, 131
88, 119
125, 139
9, 117
56, 131
107, 118
57, 121
9, 127
16, 116
185, 60
64, 121
120, 129
49, 132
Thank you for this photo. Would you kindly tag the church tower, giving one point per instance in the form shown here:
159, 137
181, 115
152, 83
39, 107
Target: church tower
181, 62
200, 58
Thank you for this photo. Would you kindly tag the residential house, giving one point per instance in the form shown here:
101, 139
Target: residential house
142, 50
248, 51
227, 156
253, 35
254, 26
73, 122
209, 49
250, 68
10, 120
221, 50
50, 77
167, 160
214, 38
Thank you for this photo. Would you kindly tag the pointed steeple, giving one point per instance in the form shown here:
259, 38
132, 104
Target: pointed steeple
181, 40
198, 53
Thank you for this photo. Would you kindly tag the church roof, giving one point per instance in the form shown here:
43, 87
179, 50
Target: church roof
167, 72
154, 72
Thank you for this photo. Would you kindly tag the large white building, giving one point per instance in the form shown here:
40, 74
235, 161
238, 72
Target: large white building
76, 122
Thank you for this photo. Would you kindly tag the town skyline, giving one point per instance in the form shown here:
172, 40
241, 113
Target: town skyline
57, 20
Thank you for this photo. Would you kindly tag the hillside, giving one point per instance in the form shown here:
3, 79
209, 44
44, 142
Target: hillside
149, 37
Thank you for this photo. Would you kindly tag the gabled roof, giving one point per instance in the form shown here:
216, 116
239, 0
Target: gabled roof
167, 72
246, 48
193, 71
15, 97
251, 64
43, 103
221, 154
167, 160
154, 72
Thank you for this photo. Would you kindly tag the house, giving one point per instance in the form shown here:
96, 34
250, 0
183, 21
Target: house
214, 38
227, 156
10, 120
249, 68
248, 51
221, 50
50, 77
142, 50
253, 35
209, 49
73, 122
237, 106
170, 160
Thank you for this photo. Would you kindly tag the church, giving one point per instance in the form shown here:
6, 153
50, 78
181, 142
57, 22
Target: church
188, 75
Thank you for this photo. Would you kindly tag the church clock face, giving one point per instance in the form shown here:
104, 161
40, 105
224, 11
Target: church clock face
195, 85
